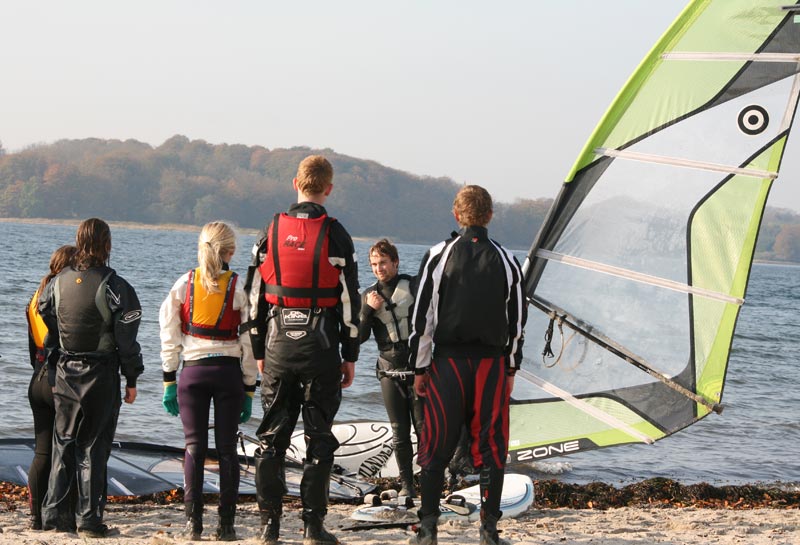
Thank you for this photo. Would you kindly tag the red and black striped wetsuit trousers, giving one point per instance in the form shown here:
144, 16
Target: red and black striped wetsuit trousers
465, 391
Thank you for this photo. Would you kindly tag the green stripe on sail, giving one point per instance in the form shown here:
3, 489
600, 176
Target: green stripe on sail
723, 235
569, 423
639, 107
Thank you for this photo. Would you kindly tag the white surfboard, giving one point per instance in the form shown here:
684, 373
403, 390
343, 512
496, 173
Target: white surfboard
518, 495
365, 449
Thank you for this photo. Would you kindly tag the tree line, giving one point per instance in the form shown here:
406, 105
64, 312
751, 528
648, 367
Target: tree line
192, 182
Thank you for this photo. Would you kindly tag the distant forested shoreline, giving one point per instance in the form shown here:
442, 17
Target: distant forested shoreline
191, 182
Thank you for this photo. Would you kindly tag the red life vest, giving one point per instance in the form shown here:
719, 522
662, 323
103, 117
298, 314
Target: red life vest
299, 274
210, 315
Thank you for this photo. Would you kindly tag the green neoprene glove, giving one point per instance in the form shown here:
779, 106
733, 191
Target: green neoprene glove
170, 399
247, 408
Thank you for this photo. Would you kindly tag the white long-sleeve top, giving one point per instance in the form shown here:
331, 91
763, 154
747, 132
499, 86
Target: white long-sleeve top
175, 346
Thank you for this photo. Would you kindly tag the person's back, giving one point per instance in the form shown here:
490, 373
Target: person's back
199, 326
466, 347
473, 297
84, 321
305, 304
92, 316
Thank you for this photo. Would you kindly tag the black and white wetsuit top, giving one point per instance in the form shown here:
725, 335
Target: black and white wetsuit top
470, 301
391, 324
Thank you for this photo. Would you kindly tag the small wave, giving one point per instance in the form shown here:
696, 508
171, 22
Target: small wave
551, 468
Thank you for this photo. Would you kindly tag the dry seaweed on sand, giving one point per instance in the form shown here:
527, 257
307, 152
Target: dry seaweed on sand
550, 494
663, 492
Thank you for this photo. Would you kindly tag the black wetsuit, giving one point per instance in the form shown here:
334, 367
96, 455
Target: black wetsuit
468, 322
40, 397
391, 326
302, 371
92, 317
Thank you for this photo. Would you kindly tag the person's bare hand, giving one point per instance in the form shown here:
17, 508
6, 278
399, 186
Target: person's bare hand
421, 385
130, 394
348, 373
374, 300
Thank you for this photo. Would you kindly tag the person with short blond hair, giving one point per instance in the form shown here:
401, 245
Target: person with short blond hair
466, 346
305, 303
473, 206
314, 175
199, 327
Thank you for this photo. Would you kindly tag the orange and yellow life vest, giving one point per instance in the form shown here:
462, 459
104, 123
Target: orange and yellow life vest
36, 326
210, 315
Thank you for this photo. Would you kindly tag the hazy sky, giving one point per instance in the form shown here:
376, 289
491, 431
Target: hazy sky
502, 94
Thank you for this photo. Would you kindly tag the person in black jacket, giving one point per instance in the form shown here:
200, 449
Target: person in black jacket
386, 312
466, 346
304, 303
92, 317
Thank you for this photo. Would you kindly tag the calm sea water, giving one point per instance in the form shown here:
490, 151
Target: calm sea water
756, 439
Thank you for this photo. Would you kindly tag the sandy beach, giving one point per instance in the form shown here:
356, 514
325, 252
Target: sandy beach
151, 524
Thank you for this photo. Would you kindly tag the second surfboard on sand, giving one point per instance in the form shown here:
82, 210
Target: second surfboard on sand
518, 495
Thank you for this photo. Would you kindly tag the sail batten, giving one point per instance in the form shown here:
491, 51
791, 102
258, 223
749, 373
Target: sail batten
685, 163
625, 354
637, 277
586, 407
722, 56
788, 114
646, 252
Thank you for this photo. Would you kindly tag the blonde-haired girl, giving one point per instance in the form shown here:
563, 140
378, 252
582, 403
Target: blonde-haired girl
199, 322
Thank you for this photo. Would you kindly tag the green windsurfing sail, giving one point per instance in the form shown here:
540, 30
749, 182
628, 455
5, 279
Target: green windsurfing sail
644, 258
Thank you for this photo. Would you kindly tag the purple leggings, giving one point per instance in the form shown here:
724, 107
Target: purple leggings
218, 379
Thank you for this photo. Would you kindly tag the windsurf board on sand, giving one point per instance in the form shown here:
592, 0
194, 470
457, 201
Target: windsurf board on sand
365, 448
463, 505
137, 469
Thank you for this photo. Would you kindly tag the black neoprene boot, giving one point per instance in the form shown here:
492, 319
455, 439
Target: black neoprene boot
426, 531
488, 532
225, 530
194, 521
430, 484
35, 521
270, 488
314, 533
491, 487
270, 524
314, 495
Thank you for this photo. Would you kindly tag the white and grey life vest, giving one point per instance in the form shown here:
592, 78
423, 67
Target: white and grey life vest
396, 318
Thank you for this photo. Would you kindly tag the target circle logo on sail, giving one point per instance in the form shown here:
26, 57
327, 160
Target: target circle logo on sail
753, 120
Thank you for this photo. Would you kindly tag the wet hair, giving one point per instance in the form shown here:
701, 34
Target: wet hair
216, 239
385, 247
314, 175
473, 204
93, 240
60, 260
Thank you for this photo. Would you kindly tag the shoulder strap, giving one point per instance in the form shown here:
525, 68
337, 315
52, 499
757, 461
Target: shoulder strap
321, 236
274, 251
